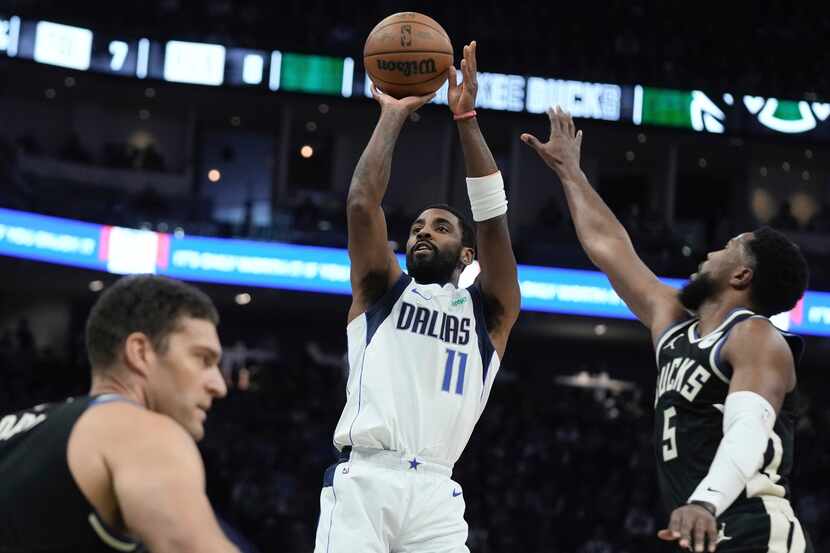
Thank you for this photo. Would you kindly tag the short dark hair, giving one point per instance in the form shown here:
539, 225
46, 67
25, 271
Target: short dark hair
141, 303
780, 273
468, 233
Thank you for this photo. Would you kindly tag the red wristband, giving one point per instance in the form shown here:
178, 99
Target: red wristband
466, 115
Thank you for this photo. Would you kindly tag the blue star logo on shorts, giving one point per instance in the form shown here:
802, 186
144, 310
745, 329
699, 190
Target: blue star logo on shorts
413, 464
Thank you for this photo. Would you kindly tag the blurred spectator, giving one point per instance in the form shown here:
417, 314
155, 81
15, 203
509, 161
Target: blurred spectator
148, 203
73, 150
29, 145
821, 220
151, 159
307, 215
784, 220
25, 339
116, 155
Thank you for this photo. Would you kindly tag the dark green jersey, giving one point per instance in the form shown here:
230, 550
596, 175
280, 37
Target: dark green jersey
41, 508
692, 385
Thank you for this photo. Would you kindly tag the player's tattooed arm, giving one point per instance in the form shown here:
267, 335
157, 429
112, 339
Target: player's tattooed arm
498, 278
373, 265
600, 233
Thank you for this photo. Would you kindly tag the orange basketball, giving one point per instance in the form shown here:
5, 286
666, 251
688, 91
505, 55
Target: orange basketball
408, 54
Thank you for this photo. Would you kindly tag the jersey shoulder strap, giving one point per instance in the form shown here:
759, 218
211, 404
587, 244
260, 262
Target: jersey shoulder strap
381, 309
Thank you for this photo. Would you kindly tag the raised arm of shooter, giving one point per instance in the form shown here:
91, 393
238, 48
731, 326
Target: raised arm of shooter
373, 265
601, 235
498, 278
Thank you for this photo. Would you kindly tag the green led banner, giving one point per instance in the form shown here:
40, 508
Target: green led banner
685, 109
666, 107
314, 74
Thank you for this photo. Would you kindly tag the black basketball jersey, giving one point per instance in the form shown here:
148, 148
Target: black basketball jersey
692, 385
41, 507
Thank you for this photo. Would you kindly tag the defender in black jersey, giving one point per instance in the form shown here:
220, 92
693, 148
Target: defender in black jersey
724, 404
118, 470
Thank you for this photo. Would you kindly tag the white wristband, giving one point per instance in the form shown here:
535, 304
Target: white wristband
748, 420
487, 197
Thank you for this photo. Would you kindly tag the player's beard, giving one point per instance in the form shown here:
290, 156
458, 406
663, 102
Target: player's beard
435, 268
697, 291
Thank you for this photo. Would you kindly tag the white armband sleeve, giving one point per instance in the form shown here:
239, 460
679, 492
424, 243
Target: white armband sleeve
748, 419
487, 197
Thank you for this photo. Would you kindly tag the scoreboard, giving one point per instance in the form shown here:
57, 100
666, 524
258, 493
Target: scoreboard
206, 64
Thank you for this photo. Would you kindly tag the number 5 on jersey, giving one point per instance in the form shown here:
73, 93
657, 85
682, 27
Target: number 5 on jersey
669, 435
448, 371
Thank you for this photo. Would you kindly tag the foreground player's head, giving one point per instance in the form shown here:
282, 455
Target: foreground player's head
158, 335
763, 266
440, 244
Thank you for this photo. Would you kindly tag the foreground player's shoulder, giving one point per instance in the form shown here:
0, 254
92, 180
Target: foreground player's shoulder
118, 429
157, 478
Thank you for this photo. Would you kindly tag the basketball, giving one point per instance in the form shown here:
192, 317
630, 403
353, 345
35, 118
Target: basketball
408, 54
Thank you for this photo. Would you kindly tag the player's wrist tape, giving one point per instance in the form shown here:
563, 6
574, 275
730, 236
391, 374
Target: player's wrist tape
706, 505
748, 419
466, 115
487, 197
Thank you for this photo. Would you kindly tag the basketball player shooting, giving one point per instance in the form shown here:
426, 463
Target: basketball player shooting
724, 406
118, 470
423, 353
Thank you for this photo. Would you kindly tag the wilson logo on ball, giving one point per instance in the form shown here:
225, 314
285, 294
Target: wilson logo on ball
407, 68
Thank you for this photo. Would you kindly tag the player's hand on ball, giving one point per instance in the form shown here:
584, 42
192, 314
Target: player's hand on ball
462, 98
562, 150
404, 106
693, 525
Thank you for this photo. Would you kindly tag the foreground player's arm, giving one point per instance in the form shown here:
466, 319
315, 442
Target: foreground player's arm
374, 267
159, 482
498, 278
763, 372
600, 233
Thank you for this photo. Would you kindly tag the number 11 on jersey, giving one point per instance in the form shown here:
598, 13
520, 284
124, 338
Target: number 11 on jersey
448, 370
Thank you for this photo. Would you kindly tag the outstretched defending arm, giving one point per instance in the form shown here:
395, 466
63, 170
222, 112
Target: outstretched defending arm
498, 278
373, 265
602, 236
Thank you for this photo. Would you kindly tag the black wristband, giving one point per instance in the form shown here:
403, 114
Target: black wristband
706, 505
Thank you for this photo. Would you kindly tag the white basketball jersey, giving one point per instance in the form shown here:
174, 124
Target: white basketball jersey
421, 366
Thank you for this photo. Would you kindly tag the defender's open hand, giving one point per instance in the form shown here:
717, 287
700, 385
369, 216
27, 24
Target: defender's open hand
562, 150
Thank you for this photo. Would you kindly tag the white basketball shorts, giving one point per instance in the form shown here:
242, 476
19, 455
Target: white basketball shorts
381, 501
